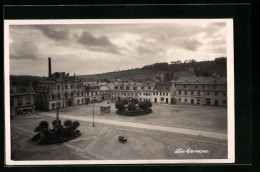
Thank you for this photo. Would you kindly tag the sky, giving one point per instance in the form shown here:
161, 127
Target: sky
100, 48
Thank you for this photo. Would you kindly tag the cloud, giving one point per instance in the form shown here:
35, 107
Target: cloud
24, 50
188, 44
219, 50
101, 43
53, 33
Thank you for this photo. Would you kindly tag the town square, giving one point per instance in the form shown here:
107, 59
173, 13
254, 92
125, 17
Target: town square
153, 136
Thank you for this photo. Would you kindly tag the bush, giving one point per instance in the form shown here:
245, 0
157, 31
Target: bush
120, 105
143, 106
67, 123
131, 107
135, 101
54, 123
44, 125
125, 102
149, 104
76, 124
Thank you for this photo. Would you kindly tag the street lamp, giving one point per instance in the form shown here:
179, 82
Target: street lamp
93, 116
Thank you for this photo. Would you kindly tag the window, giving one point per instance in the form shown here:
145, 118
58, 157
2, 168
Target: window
224, 94
166, 94
71, 94
198, 93
19, 100
58, 87
71, 86
66, 87
180, 99
180, 92
192, 93
184, 86
196, 86
58, 96
153, 93
185, 92
52, 96
207, 93
142, 88
53, 105
214, 86
224, 102
162, 99
216, 93
160, 93
28, 98
185, 100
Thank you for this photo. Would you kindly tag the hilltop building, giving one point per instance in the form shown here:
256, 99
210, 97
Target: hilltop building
21, 97
59, 90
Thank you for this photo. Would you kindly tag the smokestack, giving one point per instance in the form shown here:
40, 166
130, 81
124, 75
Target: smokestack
49, 66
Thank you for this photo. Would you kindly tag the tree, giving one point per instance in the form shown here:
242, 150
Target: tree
149, 104
167, 76
120, 105
125, 102
43, 127
143, 106
131, 106
135, 101
67, 123
55, 124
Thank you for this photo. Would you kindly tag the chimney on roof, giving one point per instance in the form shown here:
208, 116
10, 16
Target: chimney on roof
49, 62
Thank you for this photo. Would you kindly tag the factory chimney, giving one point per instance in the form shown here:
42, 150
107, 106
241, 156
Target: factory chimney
49, 60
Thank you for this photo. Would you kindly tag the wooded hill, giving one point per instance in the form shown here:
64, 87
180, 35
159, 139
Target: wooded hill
204, 68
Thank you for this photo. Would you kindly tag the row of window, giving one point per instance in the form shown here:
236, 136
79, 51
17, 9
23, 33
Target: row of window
160, 93
124, 94
198, 93
94, 93
58, 105
196, 86
20, 100
192, 101
58, 96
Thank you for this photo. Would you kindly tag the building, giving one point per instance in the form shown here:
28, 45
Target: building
59, 90
125, 91
21, 97
92, 93
145, 90
201, 91
162, 92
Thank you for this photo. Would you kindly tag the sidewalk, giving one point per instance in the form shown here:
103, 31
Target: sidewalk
145, 126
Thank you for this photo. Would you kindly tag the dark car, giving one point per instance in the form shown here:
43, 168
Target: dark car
122, 139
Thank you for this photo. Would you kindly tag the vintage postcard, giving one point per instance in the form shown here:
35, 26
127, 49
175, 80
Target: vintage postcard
135, 91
